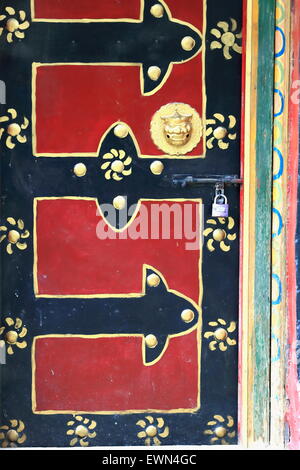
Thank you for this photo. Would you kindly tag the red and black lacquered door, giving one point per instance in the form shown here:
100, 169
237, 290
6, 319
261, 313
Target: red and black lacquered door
119, 290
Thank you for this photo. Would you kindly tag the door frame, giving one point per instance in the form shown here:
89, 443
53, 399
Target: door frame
256, 223
265, 201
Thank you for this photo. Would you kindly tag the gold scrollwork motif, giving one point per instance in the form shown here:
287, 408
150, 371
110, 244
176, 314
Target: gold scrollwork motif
220, 431
11, 435
82, 429
220, 232
14, 233
152, 428
220, 337
12, 128
221, 131
13, 24
117, 166
12, 332
176, 128
227, 38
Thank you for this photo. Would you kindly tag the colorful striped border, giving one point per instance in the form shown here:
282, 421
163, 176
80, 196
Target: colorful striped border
256, 209
279, 218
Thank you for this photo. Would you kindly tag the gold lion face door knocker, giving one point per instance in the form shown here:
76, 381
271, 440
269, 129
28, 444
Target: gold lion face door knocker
177, 128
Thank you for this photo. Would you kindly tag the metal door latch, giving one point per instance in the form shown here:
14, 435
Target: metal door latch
188, 180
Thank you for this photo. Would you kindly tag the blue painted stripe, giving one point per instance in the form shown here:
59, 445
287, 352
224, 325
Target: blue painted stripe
282, 50
281, 164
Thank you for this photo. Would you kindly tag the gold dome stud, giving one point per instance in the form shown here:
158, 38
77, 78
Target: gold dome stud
228, 39
151, 431
219, 235
153, 280
117, 166
11, 337
13, 236
220, 432
119, 202
157, 167
187, 315
154, 72
220, 334
13, 129
81, 431
151, 341
80, 169
188, 43
12, 435
121, 131
157, 10
12, 25
220, 133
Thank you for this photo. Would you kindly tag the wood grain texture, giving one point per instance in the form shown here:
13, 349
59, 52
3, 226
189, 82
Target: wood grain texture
261, 332
257, 207
279, 219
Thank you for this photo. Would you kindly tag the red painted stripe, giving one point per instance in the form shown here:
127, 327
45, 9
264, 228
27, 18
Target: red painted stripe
242, 211
293, 386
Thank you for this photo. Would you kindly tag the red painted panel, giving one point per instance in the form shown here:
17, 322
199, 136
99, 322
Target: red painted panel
92, 9
103, 95
114, 9
72, 260
107, 374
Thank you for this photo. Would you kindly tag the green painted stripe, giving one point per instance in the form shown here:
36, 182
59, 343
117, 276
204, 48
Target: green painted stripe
263, 230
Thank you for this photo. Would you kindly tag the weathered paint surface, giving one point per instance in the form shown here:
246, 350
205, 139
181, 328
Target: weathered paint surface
261, 331
279, 214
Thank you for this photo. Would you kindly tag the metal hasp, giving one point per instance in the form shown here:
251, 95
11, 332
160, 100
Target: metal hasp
188, 180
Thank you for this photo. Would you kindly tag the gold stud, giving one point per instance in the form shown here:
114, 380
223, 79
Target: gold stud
81, 431
80, 169
151, 431
121, 131
151, 341
12, 435
219, 234
13, 236
157, 10
220, 432
228, 39
221, 334
154, 72
117, 166
13, 129
119, 202
157, 167
12, 25
188, 43
220, 133
11, 337
153, 280
187, 315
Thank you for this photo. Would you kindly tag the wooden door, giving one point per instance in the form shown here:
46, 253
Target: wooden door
119, 288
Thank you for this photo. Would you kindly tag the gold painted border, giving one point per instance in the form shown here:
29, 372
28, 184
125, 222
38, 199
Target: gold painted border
202, 50
247, 348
